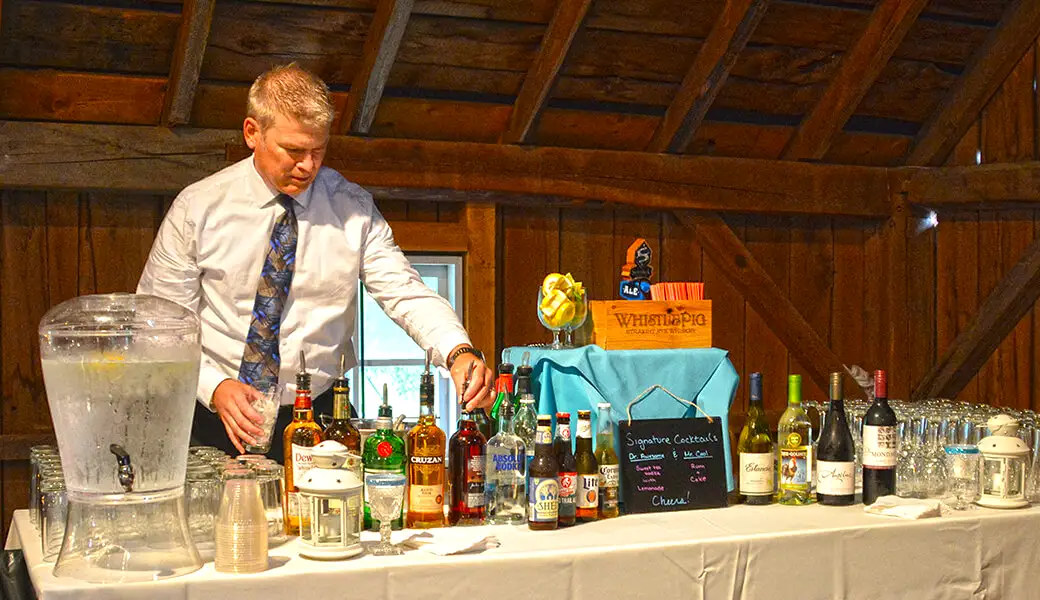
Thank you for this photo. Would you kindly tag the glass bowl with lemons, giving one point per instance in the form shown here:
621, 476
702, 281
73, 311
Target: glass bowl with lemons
562, 307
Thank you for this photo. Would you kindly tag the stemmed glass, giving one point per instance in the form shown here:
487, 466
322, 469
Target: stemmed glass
555, 329
385, 496
581, 314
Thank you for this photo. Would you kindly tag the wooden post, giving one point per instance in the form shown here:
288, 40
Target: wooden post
479, 306
196, 17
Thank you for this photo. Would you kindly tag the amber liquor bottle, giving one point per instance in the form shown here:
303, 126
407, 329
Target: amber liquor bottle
466, 453
300, 436
341, 429
426, 473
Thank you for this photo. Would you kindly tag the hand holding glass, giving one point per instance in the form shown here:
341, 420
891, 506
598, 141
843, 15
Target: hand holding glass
385, 496
267, 405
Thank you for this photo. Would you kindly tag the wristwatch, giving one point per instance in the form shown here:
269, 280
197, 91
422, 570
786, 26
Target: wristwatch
463, 350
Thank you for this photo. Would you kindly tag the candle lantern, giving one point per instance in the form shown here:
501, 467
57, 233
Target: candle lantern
331, 495
1004, 463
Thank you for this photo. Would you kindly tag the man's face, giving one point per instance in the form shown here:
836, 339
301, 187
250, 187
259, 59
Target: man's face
287, 154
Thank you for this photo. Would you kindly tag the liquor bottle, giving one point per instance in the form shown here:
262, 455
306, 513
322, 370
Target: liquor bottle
879, 444
341, 429
503, 391
299, 437
544, 489
757, 456
606, 458
588, 470
426, 474
526, 420
795, 448
568, 473
467, 453
384, 453
505, 475
836, 452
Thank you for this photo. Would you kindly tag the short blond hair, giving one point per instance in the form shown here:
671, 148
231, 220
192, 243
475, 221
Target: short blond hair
291, 91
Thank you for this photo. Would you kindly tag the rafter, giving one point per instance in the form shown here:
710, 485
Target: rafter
381, 45
860, 68
546, 66
988, 69
48, 155
760, 291
707, 74
196, 17
981, 186
999, 314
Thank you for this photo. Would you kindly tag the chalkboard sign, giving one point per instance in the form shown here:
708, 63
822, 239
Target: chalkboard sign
672, 464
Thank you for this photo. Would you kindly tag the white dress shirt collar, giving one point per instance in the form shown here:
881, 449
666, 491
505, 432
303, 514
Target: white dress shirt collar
262, 189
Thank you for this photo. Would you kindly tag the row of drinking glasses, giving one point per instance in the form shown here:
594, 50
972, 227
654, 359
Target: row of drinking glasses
48, 506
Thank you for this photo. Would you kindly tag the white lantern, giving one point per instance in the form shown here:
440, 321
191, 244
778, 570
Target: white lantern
333, 495
1004, 460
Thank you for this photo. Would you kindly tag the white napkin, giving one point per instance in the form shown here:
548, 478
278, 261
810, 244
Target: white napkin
448, 541
904, 508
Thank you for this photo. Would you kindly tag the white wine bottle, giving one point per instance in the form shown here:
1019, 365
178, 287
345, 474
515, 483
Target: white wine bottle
755, 447
794, 438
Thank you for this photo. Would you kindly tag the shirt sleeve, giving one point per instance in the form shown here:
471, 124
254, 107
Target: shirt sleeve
172, 272
392, 281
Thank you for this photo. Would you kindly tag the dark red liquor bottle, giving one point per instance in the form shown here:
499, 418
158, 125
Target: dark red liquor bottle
466, 456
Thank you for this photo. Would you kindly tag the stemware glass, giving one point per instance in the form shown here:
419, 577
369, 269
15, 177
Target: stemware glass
556, 329
385, 495
581, 314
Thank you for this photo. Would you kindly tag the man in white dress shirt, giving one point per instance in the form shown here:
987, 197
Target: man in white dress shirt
269, 253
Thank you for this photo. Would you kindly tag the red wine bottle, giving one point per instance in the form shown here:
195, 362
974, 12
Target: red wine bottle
879, 444
836, 453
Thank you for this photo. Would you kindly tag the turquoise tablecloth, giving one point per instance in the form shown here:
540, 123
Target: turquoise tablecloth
579, 378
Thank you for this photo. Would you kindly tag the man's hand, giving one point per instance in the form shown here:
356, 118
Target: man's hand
233, 401
479, 393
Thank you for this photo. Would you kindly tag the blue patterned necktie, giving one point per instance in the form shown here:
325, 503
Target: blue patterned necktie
261, 359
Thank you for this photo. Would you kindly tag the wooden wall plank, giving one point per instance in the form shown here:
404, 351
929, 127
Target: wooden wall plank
729, 314
196, 18
120, 232
480, 264
848, 331
769, 241
585, 236
529, 249
49, 95
811, 287
380, 51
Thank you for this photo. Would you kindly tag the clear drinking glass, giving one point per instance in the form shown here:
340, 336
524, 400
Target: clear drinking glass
41, 460
53, 512
269, 476
267, 405
963, 464
202, 502
385, 495
241, 530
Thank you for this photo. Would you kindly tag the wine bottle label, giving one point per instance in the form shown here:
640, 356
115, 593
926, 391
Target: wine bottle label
879, 446
608, 486
568, 488
426, 498
543, 498
588, 490
795, 469
835, 478
585, 429
756, 473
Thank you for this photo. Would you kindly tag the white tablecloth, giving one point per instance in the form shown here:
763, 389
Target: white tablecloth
738, 552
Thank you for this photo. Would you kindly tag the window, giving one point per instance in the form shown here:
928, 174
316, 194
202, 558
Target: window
386, 354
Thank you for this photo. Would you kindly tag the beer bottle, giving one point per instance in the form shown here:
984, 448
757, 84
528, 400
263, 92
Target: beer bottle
544, 488
568, 469
607, 459
588, 471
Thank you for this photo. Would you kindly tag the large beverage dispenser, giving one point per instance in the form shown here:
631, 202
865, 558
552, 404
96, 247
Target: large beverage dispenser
121, 372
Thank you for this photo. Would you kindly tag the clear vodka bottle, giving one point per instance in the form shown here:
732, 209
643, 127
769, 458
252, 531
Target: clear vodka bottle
505, 475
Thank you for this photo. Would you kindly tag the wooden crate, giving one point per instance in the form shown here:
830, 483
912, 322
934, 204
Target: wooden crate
646, 324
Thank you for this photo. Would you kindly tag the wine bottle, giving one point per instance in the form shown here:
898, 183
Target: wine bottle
879, 444
794, 438
756, 450
836, 452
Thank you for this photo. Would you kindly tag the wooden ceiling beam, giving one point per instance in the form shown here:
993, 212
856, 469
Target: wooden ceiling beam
381, 45
973, 187
48, 155
534, 93
707, 74
749, 278
1013, 297
860, 68
984, 74
196, 17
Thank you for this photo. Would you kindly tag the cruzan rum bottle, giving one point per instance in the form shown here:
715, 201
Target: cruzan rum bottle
426, 474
